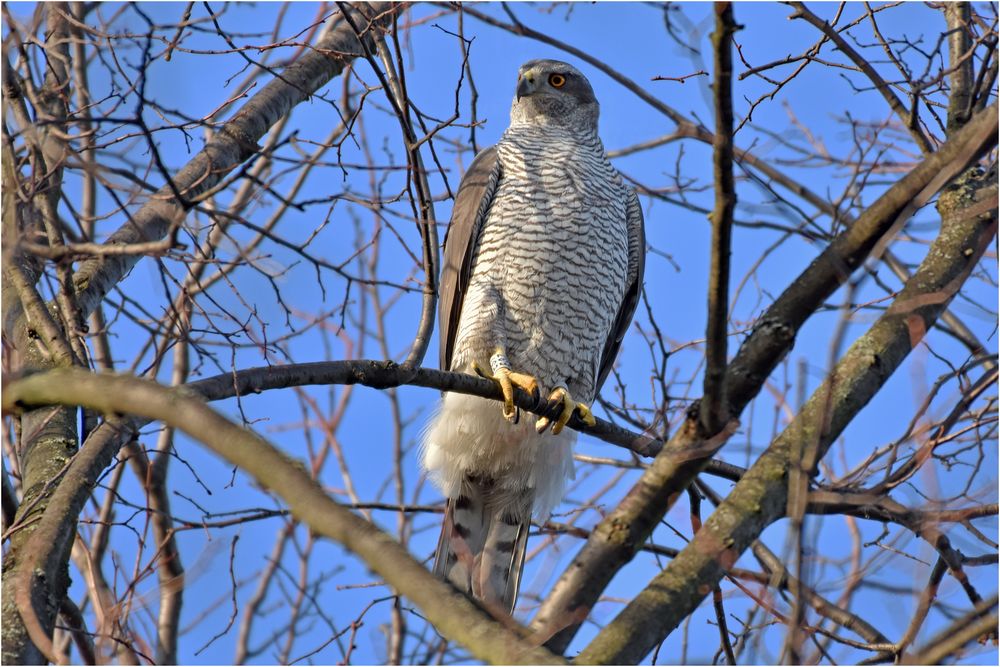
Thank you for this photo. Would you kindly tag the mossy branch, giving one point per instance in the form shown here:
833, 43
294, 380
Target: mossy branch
760, 497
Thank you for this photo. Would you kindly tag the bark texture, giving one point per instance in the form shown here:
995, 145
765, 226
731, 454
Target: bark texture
968, 226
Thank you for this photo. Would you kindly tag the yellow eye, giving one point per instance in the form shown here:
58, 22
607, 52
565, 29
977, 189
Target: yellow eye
557, 80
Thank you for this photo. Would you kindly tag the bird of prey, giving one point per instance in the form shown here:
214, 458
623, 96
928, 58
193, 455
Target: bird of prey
543, 266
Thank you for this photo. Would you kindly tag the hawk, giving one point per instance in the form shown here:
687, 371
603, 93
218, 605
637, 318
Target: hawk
543, 266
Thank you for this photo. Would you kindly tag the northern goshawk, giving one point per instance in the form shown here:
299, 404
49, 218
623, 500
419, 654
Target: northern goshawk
543, 266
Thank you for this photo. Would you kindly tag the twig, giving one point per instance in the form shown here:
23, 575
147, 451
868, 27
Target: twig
680, 79
720, 612
910, 120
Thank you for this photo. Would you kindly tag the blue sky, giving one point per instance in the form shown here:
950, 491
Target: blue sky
629, 37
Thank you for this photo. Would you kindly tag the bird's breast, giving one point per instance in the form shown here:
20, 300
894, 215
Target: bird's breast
555, 245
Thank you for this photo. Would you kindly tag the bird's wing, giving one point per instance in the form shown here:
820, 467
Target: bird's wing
472, 202
633, 289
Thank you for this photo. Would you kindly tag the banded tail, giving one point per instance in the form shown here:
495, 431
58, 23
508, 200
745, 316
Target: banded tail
483, 541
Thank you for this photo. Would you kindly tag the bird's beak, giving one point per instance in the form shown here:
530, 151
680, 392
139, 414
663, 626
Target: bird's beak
526, 85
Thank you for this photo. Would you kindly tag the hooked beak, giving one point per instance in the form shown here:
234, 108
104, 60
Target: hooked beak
525, 85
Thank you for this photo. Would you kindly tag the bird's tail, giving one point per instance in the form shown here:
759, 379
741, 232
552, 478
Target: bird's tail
482, 545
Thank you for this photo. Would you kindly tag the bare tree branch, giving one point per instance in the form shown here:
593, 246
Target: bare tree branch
319, 248
760, 497
958, 18
234, 143
451, 612
910, 120
615, 541
978, 625
713, 411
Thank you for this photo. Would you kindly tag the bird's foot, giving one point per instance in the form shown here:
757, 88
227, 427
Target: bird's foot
501, 373
561, 403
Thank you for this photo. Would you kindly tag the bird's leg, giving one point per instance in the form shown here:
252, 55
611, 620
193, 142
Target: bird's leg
561, 401
502, 374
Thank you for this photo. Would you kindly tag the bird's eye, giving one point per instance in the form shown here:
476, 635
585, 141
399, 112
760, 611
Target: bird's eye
557, 80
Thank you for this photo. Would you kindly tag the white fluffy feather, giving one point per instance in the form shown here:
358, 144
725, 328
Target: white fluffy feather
469, 435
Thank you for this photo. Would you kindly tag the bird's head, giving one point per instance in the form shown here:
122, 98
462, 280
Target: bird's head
553, 92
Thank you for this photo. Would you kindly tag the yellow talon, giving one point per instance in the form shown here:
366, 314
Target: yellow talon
508, 379
560, 395
586, 416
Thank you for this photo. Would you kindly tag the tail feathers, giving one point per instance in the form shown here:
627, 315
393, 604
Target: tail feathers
503, 560
463, 535
481, 551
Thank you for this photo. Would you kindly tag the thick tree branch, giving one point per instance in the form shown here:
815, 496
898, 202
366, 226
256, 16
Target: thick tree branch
451, 612
957, 16
619, 535
41, 338
761, 496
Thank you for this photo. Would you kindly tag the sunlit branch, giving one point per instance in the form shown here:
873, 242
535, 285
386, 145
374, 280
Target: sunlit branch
451, 612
